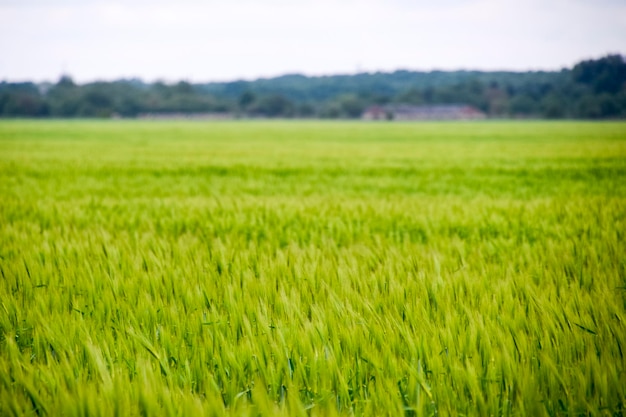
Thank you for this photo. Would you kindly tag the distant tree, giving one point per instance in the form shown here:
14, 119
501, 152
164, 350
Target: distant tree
522, 105
161, 90
22, 104
609, 105
66, 82
605, 75
552, 107
351, 106
497, 100
64, 98
428, 95
129, 106
98, 98
589, 107
412, 96
592, 89
274, 105
305, 110
246, 99
183, 87
331, 110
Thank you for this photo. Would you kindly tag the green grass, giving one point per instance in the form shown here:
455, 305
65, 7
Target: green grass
308, 268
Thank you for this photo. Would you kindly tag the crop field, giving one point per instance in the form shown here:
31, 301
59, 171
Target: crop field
312, 268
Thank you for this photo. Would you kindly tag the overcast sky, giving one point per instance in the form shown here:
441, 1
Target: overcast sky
214, 40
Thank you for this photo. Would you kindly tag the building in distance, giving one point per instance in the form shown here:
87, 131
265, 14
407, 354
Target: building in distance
405, 112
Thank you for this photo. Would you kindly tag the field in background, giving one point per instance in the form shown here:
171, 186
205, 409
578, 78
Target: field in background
308, 268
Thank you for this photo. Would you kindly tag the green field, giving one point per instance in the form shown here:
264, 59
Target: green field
311, 268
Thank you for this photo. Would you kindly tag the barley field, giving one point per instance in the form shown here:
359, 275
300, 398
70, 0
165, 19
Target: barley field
312, 268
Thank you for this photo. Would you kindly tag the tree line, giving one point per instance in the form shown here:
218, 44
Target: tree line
592, 89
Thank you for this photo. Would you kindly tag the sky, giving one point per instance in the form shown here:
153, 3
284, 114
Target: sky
213, 40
